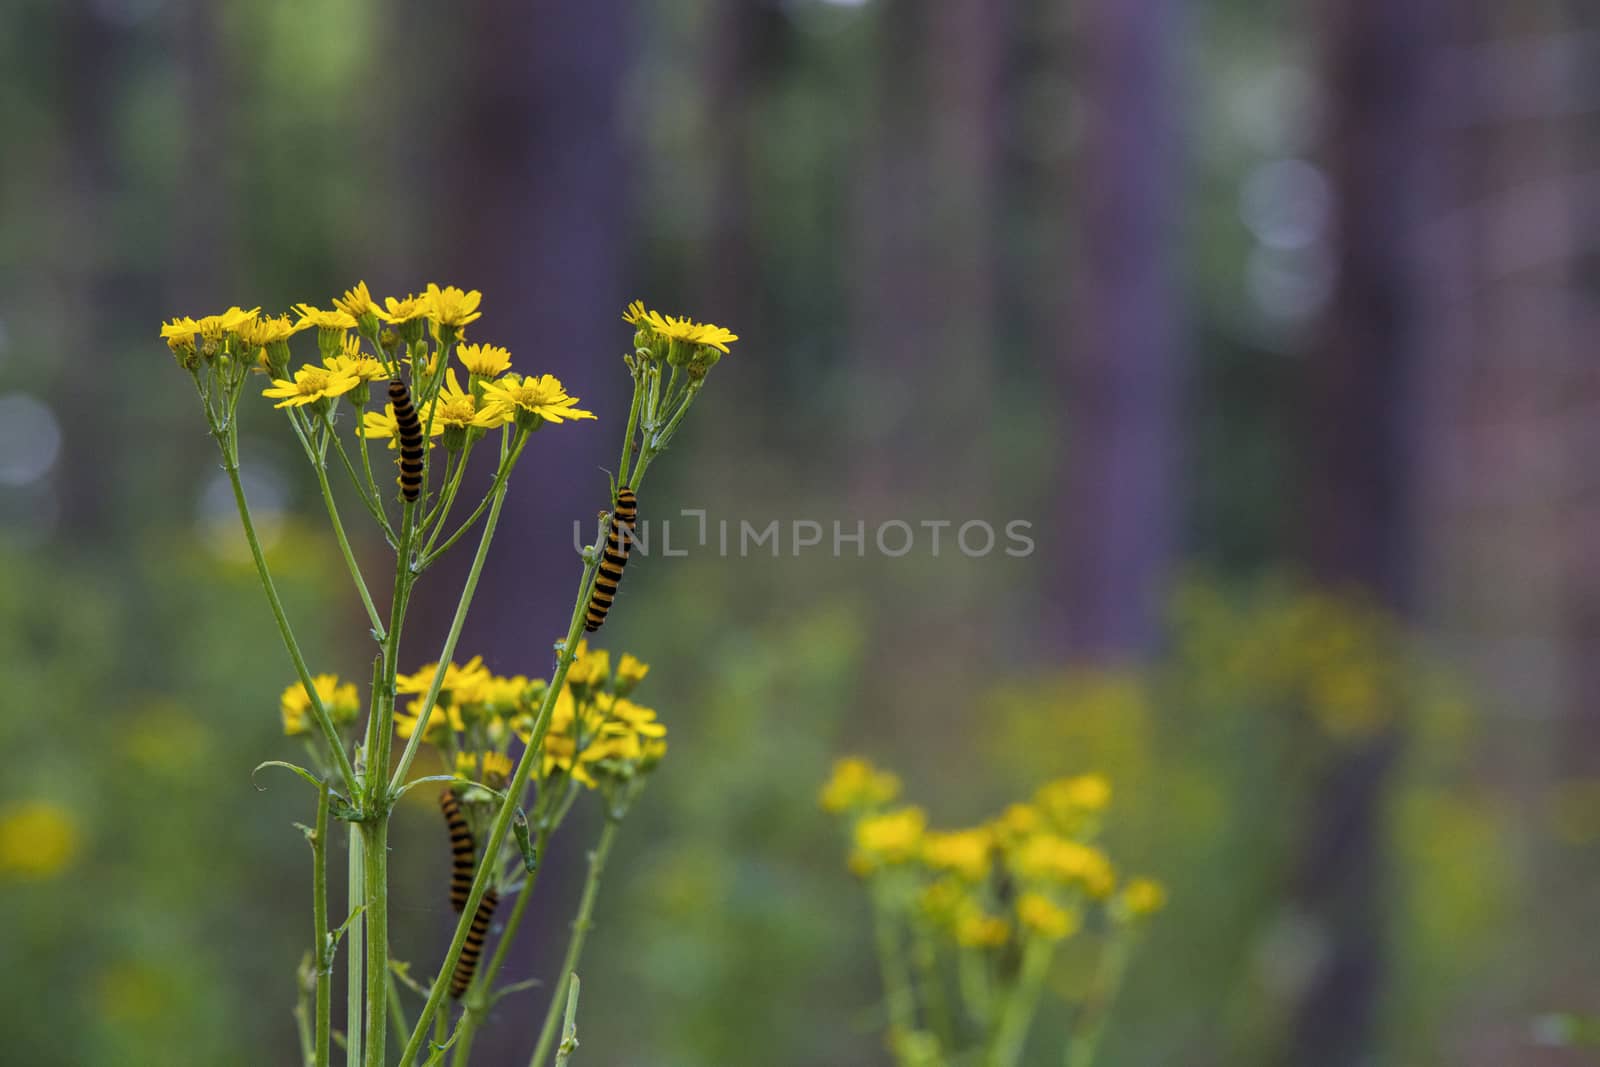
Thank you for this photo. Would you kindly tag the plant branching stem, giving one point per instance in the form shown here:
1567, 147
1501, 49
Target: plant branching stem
1011, 1032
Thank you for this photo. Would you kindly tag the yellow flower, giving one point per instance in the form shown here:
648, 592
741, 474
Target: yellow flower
496, 765
463, 683
450, 306
630, 671
382, 424
590, 667
484, 360
456, 409
310, 385
179, 333
37, 840
975, 929
543, 396
1040, 915
857, 784
1047, 857
892, 837
235, 319
342, 703
356, 302
963, 852
354, 362
337, 319
1142, 897
440, 720
395, 312
506, 696
1016, 823
270, 329
1073, 803
634, 718
679, 329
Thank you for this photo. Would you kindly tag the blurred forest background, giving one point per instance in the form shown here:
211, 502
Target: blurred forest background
1276, 321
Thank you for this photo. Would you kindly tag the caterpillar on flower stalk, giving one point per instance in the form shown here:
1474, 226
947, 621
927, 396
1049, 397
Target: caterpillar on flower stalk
408, 430
462, 849
619, 539
467, 963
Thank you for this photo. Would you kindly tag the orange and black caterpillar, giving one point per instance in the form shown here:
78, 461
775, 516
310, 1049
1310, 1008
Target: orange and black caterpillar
467, 964
408, 429
618, 540
461, 849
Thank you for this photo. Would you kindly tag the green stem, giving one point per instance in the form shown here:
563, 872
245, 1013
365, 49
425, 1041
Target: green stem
569, 1031
1085, 1041
403, 767
376, 834
344, 547
302, 1021
1011, 1034
972, 969
322, 947
932, 986
480, 998
230, 462
627, 440
355, 958
899, 998
397, 1014
580, 932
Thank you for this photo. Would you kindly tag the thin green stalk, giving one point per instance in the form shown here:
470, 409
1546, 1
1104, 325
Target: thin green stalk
496, 489
1011, 1034
452, 485
898, 996
403, 767
580, 932
972, 970
1091, 1024
302, 1021
569, 1031
355, 957
397, 1015
932, 986
481, 997
376, 833
344, 547
367, 490
230, 457
627, 440
322, 947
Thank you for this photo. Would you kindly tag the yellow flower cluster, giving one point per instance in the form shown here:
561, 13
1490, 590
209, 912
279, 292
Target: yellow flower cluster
494, 396
675, 328
341, 701
596, 734
1043, 851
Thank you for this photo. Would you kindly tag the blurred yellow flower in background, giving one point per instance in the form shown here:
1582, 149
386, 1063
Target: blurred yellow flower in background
855, 784
38, 840
964, 852
342, 702
1040, 915
890, 838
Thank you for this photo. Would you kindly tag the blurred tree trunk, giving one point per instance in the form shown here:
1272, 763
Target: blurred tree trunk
1358, 467
1120, 332
530, 207
925, 312
82, 260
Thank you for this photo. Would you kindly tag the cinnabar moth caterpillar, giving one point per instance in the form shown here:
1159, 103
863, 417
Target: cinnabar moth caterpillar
408, 429
462, 849
467, 963
619, 539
